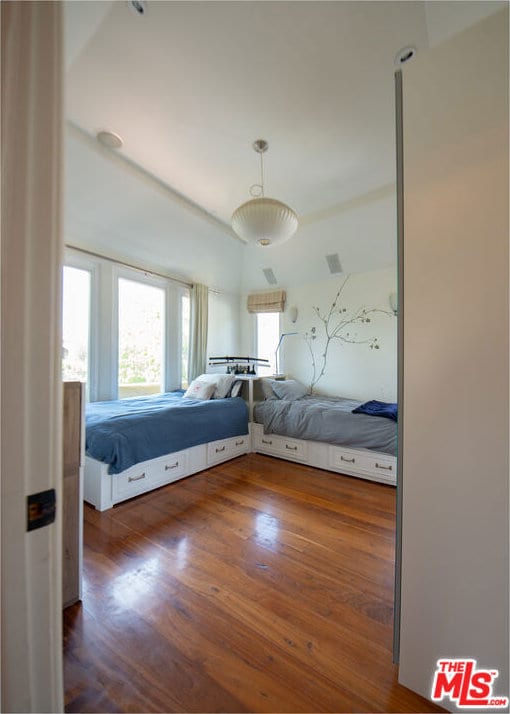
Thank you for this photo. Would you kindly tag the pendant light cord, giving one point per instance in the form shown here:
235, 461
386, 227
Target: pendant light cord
260, 146
262, 173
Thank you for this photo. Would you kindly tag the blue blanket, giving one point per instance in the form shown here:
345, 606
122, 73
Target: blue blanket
380, 409
127, 431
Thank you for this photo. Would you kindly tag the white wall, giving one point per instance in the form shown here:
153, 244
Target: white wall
353, 370
224, 329
446, 18
455, 392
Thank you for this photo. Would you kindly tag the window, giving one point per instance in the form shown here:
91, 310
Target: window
268, 334
125, 332
76, 324
185, 326
141, 339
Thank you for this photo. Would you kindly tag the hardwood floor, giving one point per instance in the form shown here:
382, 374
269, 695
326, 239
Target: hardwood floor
256, 586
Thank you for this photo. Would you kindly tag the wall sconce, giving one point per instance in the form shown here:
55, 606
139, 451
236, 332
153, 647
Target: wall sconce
393, 301
293, 313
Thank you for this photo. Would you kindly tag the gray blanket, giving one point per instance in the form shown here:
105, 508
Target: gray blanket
327, 419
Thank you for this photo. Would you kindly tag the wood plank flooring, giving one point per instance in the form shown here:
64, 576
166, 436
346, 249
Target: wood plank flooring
256, 586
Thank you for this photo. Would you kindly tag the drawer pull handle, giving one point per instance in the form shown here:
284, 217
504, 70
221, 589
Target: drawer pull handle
172, 466
218, 451
136, 478
240, 443
384, 468
291, 448
269, 443
349, 461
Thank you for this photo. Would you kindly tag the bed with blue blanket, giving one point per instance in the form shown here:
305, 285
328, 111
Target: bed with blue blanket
134, 445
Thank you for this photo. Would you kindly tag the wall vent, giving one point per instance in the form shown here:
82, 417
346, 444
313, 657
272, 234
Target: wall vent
334, 264
270, 276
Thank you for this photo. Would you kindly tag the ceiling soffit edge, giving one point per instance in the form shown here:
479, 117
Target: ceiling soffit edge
142, 174
139, 172
385, 191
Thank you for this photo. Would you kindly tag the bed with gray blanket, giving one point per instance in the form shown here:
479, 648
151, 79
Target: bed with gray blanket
329, 420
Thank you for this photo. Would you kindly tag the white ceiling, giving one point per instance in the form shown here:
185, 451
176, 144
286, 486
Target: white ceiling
190, 85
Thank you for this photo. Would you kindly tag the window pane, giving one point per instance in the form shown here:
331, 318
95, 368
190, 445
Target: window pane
268, 334
185, 313
75, 324
141, 339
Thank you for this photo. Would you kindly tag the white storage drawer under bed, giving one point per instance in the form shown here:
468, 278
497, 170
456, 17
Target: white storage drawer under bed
282, 446
225, 449
149, 475
372, 465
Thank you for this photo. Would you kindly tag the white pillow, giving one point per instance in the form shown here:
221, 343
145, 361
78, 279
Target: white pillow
222, 383
236, 388
199, 389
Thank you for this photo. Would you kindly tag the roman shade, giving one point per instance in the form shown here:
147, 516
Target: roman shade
273, 301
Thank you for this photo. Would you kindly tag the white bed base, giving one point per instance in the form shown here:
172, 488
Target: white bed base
104, 490
362, 463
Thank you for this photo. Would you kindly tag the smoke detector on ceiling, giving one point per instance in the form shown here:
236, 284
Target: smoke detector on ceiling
405, 55
138, 6
109, 139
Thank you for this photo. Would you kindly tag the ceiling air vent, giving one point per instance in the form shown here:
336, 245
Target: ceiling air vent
138, 6
270, 276
334, 264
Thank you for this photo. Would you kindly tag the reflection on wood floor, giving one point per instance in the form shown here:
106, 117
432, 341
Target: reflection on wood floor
259, 585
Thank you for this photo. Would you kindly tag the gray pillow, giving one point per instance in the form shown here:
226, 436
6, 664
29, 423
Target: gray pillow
288, 389
267, 388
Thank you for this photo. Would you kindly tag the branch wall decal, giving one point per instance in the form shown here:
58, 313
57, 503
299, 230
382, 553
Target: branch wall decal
337, 324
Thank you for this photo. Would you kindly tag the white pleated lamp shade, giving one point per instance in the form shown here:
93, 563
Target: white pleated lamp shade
264, 221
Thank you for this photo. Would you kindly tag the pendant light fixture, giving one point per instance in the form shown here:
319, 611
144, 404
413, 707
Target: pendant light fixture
264, 220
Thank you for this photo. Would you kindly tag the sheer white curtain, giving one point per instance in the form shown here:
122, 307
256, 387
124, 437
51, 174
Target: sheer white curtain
198, 331
32, 123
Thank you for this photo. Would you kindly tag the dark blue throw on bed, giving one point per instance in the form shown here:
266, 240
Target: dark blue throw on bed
125, 432
381, 409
